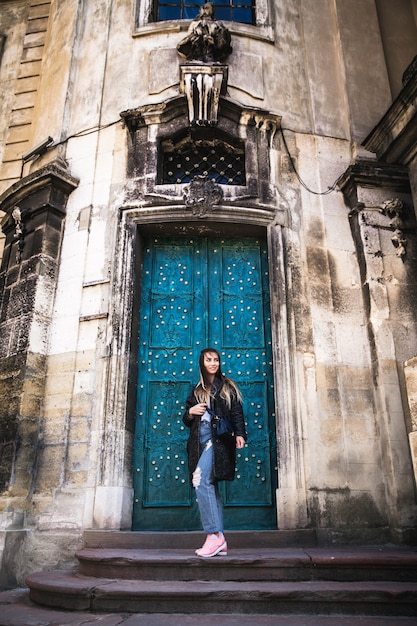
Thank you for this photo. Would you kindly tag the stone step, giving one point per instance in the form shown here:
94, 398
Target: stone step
261, 564
190, 540
71, 591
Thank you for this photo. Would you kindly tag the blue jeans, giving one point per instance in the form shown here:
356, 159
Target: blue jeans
208, 498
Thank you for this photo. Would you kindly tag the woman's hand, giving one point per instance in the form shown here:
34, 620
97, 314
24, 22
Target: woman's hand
240, 442
197, 409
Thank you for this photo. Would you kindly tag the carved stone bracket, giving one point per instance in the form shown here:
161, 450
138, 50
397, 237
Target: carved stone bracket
202, 194
202, 85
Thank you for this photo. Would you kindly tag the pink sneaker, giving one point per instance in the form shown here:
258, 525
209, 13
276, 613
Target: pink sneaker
213, 545
223, 551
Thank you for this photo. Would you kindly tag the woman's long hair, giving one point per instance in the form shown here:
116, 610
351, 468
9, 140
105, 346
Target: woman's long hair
227, 386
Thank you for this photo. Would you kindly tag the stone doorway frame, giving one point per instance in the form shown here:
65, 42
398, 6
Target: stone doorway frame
114, 497
149, 208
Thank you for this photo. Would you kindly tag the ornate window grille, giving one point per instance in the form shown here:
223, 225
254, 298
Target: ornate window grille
225, 10
215, 158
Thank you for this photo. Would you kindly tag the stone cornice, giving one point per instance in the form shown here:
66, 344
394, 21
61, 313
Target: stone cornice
368, 187
368, 173
163, 112
53, 174
225, 213
394, 138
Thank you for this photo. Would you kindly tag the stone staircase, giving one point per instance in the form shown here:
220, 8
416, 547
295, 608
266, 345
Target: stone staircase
265, 573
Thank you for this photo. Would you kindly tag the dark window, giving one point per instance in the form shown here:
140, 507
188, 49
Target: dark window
225, 10
189, 156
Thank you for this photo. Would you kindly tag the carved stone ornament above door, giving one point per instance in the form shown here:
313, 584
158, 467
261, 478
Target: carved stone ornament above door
206, 47
207, 40
202, 195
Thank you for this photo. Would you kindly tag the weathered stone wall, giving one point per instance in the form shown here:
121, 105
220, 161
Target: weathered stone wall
24, 25
393, 141
398, 31
28, 280
388, 286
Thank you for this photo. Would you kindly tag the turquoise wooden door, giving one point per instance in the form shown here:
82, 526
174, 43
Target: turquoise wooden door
201, 292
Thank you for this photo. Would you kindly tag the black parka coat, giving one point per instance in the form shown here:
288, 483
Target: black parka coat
224, 456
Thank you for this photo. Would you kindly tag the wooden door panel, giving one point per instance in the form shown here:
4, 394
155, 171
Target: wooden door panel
196, 293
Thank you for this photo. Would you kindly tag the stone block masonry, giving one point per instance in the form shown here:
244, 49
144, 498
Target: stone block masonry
27, 278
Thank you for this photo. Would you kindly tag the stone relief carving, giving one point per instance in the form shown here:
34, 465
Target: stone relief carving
393, 208
396, 210
19, 233
204, 78
207, 40
202, 194
399, 242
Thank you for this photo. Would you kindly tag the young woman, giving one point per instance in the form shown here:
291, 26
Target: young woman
210, 459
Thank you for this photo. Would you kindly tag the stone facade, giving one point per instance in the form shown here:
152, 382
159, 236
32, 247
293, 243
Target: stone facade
314, 93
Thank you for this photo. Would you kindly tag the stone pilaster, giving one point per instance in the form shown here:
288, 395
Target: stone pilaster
383, 228
33, 226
